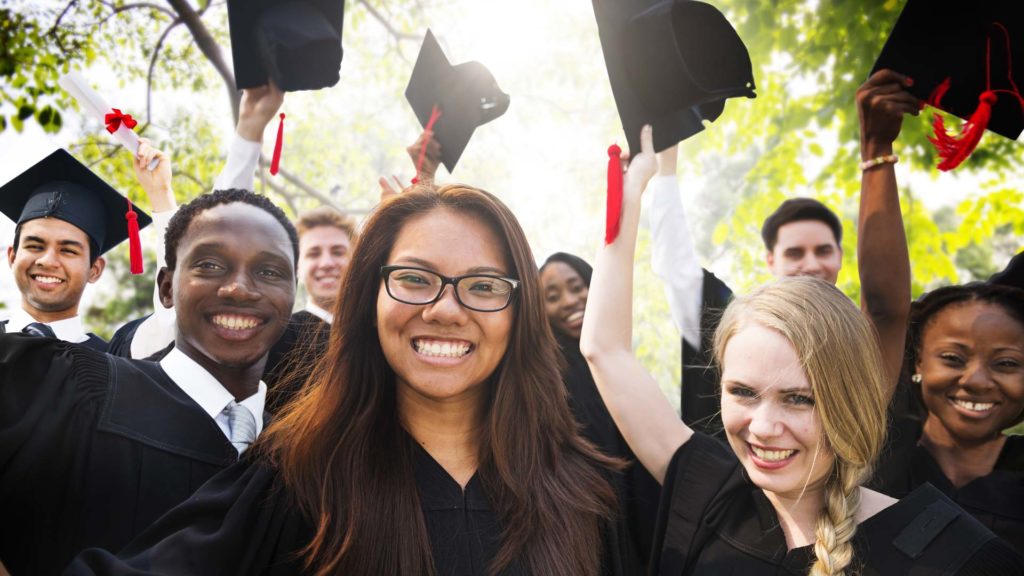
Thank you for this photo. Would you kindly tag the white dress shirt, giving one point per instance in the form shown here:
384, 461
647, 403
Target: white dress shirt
210, 394
673, 257
319, 312
68, 330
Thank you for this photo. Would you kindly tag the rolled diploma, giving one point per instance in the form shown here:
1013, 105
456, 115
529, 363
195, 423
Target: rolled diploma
76, 85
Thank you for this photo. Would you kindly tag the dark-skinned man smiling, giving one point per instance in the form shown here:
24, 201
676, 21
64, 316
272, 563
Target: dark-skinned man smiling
94, 448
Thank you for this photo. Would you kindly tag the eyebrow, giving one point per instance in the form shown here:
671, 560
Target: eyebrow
473, 270
791, 390
74, 243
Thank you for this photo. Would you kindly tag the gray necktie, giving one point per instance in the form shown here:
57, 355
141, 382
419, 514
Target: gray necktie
243, 426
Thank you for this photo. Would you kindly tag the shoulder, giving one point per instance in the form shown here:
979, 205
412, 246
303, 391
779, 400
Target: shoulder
928, 529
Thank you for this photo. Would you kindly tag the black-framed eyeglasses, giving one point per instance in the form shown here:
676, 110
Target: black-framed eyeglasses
479, 292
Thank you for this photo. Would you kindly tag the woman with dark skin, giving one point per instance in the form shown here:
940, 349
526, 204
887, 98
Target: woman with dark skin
565, 283
965, 361
433, 437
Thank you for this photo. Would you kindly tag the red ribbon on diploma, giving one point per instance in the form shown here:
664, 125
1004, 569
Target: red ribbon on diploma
115, 119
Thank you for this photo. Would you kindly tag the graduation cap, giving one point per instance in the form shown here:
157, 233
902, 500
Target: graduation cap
458, 98
59, 186
672, 64
295, 43
964, 58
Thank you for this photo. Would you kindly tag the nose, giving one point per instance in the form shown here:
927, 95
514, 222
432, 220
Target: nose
766, 422
48, 258
976, 378
239, 288
446, 309
811, 264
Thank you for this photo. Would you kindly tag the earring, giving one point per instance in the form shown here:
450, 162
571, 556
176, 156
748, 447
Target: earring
916, 378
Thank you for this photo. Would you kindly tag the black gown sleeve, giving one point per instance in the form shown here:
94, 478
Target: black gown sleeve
240, 522
700, 400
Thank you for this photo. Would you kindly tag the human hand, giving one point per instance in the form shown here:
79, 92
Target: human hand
638, 172
386, 188
258, 107
667, 159
157, 182
881, 103
430, 150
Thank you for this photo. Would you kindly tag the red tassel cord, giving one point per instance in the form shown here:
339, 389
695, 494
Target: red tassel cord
134, 243
435, 113
275, 161
953, 149
613, 217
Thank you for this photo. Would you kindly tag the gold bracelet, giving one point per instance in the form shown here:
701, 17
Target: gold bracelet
887, 159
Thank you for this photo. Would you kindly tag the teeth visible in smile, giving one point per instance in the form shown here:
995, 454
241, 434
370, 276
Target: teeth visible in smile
575, 316
772, 455
441, 349
47, 280
974, 406
235, 322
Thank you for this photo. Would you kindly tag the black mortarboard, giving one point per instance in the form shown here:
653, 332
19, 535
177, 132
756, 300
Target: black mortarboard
672, 64
59, 186
466, 95
296, 43
936, 40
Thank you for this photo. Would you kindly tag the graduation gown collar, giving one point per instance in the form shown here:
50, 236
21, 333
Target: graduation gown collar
146, 406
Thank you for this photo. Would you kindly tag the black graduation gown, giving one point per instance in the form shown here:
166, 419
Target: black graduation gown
996, 500
244, 522
638, 491
700, 404
714, 521
92, 341
291, 359
93, 449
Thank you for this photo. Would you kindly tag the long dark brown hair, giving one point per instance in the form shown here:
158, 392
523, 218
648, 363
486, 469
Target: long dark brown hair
342, 453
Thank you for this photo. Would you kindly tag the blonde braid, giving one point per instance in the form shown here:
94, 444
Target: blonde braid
837, 523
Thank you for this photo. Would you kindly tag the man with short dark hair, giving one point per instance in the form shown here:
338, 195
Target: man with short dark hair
802, 237
95, 447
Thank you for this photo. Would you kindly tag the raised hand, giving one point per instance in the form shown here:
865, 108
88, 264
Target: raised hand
258, 107
429, 149
157, 182
881, 103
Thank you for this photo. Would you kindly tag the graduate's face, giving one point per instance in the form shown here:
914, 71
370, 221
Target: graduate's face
769, 415
323, 260
443, 352
806, 248
565, 298
51, 268
972, 371
233, 286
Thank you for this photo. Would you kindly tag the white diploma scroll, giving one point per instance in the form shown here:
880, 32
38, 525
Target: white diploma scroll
94, 105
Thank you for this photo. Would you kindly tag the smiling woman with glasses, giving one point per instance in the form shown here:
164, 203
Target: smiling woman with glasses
434, 437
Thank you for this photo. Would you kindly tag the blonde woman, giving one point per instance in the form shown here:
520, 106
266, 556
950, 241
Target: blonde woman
804, 413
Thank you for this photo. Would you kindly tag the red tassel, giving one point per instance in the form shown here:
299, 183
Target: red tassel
134, 243
435, 113
275, 161
954, 149
614, 215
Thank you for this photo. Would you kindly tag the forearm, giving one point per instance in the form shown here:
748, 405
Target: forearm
642, 413
883, 258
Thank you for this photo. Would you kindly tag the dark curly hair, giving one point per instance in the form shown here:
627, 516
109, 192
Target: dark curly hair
183, 218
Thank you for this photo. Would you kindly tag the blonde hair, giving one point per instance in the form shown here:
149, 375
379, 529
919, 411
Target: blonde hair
326, 216
838, 349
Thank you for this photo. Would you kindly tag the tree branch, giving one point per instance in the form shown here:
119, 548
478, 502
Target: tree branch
209, 47
56, 24
395, 33
152, 66
124, 8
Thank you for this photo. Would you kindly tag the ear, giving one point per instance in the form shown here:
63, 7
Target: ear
10, 256
96, 270
769, 259
165, 283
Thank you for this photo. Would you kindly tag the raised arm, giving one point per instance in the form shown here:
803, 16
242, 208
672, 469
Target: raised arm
642, 413
882, 258
258, 107
673, 257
